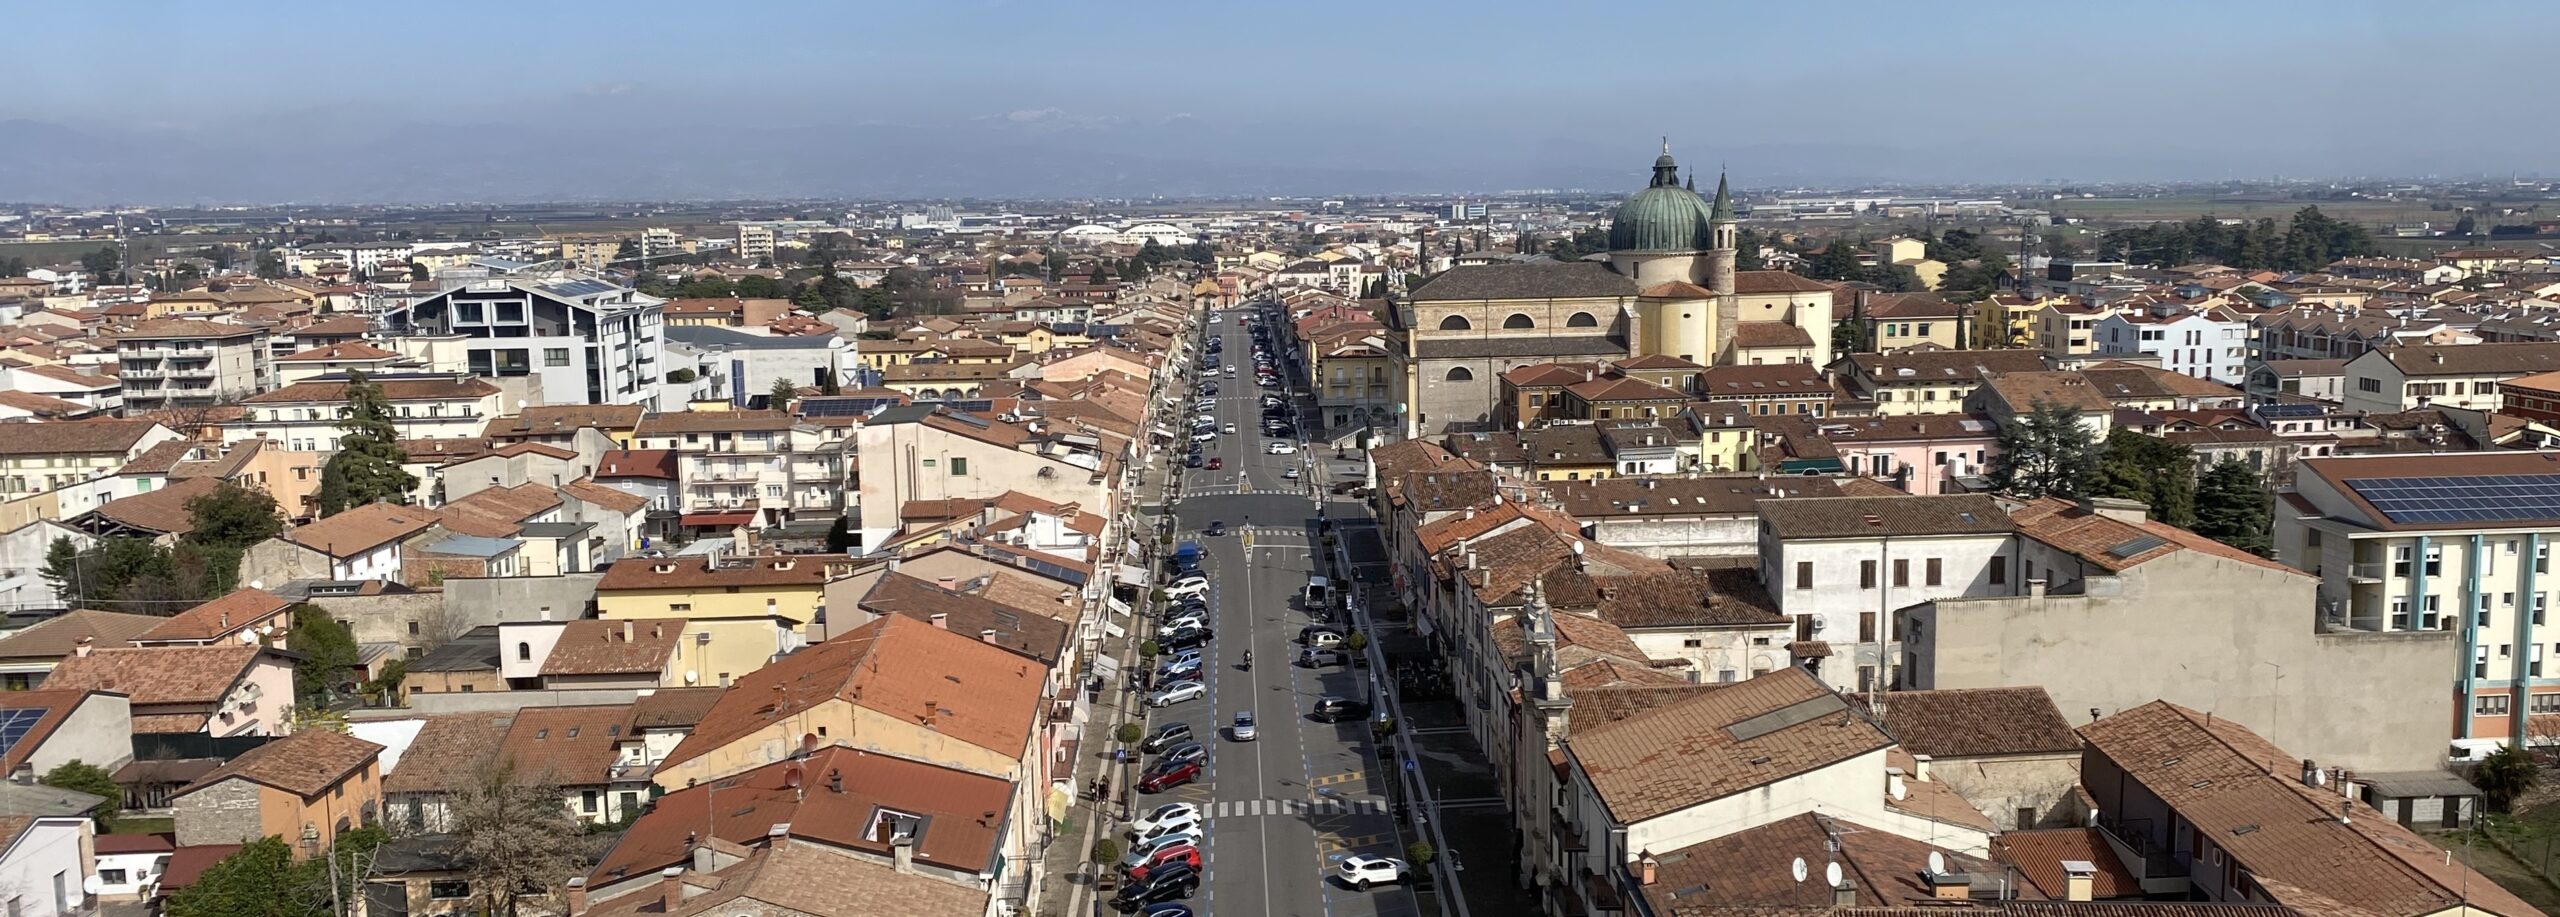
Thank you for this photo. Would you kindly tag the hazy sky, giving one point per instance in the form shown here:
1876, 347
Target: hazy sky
160, 102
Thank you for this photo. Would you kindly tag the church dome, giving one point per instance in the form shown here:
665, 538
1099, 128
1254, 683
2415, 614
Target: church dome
1663, 217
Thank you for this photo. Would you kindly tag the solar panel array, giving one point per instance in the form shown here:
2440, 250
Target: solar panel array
2292, 409
14, 723
2469, 498
841, 406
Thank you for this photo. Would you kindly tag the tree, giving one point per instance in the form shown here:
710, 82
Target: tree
759, 286
1746, 251
258, 880
224, 522
784, 392
2160, 473
13, 266
81, 777
840, 538
2046, 452
328, 651
367, 466
2234, 507
515, 837
629, 250
1837, 261
713, 287
104, 265
270, 265
1420, 854
680, 375
118, 574
2505, 775
1849, 335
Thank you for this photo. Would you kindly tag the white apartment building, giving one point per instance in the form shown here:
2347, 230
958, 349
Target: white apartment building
38, 457
2212, 344
186, 363
2442, 375
762, 465
304, 416
755, 243
1841, 567
926, 452
2442, 542
361, 256
569, 340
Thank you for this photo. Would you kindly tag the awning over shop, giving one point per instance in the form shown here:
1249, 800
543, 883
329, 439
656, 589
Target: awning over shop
1130, 575
719, 520
1106, 667
1117, 606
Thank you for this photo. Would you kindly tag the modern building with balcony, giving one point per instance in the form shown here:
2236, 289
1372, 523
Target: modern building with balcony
171, 363
567, 340
2456, 542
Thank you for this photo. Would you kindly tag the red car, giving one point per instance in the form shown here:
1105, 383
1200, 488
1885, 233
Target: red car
1168, 778
1184, 854
1215, 463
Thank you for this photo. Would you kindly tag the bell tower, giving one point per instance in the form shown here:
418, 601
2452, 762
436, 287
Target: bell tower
1723, 237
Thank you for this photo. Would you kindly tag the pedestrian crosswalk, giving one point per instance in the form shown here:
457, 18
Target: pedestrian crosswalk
1254, 808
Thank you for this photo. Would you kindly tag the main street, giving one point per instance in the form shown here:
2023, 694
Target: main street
1282, 809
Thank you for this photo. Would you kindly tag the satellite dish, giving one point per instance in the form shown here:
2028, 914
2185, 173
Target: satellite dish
2093, 817
1800, 871
690, 677
248, 637
93, 885
1831, 874
1937, 863
257, 584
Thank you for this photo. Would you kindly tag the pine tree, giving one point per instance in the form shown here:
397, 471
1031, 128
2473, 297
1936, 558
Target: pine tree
2160, 473
367, 466
2234, 507
2045, 452
782, 394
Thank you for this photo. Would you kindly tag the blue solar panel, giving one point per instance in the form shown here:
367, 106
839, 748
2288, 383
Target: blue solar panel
2476, 498
14, 723
2292, 410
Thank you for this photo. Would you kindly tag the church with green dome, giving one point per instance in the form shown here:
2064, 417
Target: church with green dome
1665, 294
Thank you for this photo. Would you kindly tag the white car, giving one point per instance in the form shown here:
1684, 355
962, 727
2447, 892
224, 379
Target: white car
1190, 579
1361, 871
1146, 850
1179, 823
1191, 620
1289, 474
1187, 587
1230, 429
1243, 730
1281, 449
1178, 692
1204, 436
1164, 814
1231, 372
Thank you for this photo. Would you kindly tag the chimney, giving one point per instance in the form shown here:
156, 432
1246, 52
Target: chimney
942, 620
1949, 887
893, 565
2312, 775
2035, 588
85, 646
2133, 511
671, 886
1844, 894
776, 833
835, 780
705, 862
988, 635
1920, 767
577, 896
902, 853
1893, 785
948, 583
2080, 878
1648, 869
626, 631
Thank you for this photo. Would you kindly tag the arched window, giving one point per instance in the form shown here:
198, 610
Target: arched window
524, 652
1519, 320
1455, 322
1460, 374
1582, 320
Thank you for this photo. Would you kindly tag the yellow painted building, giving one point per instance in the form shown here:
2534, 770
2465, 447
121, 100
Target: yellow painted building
739, 613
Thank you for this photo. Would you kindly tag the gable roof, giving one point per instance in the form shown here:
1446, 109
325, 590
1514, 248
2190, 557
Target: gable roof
1876, 517
57, 704
1711, 745
1528, 280
58, 636
1037, 636
897, 666
1978, 722
361, 529
592, 646
159, 674
564, 746
839, 794
305, 763
801, 877
83, 437
460, 745
243, 607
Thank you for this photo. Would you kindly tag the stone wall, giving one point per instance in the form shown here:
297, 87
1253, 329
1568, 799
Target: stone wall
224, 813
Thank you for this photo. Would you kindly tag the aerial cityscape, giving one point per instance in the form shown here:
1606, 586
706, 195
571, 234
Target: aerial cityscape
832, 460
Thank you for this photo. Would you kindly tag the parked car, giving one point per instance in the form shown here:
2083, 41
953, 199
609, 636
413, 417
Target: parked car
1324, 639
1318, 658
1169, 813
1187, 751
1186, 621
1186, 855
1205, 436
1290, 474
1312, 632
1176, 693
1182, 588
1173, 882
1176, 824
1194, 577
1167, 909
1361, 871
1141, 852
1280, 449
1157, 781
1338, 709
1184, 637
1192, 462
1173, 671
1243, 729
1166, 736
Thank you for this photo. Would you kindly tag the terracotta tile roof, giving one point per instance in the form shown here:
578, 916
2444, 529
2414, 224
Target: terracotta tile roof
457, 388
160, 674
349, 350
2521, 358
672, 708
799, 877
183, 329
1753, 335
306, 763
1676, 289
82, 437
763, 570
542, 420
243, 607
1875, 517
498, 512
1755, 867
1763, 380
1912, 305
57, 636
188, 863
1717, 743
682, 422
2038, 856
589, 492
1604, 672
1748, 282
636, 646
2024, 392
840, 793
1943, 366
2221, 778
42, 406
2129, 381
1978, 722
361, 529
57, 703
1038, 637
2097, 540
637, 463
1654, 496
1687, 598
897, 666
449, 751
565, 746
1932, 799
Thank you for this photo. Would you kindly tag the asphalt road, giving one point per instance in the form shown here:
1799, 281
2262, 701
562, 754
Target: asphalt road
1284, 808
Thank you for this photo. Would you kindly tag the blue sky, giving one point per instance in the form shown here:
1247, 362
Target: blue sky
1373, 96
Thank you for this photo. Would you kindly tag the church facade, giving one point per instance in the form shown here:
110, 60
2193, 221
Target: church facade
1667, 286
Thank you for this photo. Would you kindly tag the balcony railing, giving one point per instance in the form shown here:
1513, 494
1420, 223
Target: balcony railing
2369, 570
